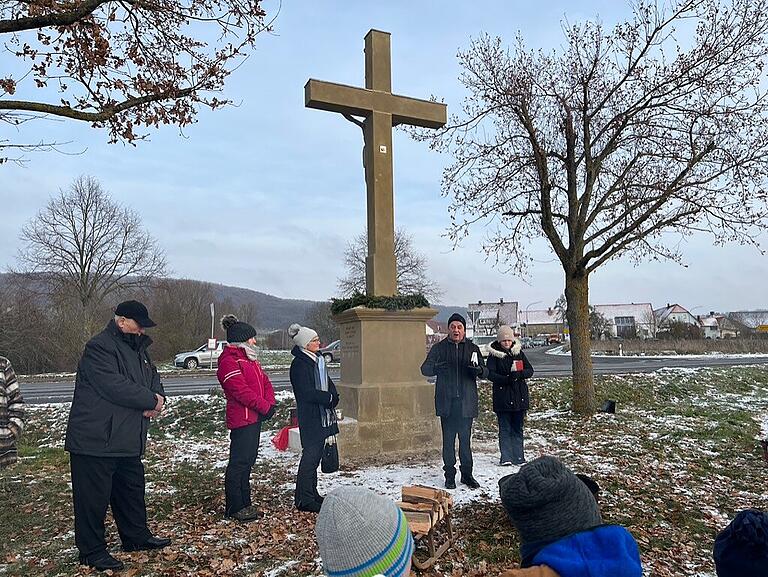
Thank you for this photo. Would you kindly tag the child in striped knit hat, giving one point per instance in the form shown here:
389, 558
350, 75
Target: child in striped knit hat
362, 534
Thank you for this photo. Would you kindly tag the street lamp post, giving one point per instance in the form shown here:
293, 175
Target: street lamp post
529, 305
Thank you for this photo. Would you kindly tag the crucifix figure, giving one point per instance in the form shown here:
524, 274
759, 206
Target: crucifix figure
381, 110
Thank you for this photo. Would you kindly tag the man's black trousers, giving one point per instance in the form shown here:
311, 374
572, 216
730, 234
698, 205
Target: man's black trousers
455, 425
98, 482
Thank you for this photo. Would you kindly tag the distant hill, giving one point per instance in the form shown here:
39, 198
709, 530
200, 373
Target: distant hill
272, 312
278, 313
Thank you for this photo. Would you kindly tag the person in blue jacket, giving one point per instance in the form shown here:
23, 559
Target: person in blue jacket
561, 531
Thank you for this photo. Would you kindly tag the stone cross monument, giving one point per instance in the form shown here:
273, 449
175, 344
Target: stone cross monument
382, 110
387, 404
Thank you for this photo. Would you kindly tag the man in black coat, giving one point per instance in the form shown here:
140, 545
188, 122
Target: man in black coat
457, 364
117, 391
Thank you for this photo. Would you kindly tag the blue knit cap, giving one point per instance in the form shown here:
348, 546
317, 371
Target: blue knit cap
741, 549
361, 534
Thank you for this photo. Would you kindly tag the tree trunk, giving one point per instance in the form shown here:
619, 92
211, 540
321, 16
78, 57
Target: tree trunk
577, 295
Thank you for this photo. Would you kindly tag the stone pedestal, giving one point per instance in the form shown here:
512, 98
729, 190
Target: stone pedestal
387, 405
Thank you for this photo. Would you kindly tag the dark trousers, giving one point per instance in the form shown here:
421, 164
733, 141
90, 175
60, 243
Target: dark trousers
511, 436
243, 450
98, 482
306, 479
452, 426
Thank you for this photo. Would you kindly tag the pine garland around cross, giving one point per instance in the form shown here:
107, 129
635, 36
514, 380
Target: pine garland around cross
392, 303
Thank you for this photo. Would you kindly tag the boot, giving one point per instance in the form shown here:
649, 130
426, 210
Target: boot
468, 479
450, 477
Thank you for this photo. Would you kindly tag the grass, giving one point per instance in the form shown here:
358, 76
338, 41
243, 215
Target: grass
675, 463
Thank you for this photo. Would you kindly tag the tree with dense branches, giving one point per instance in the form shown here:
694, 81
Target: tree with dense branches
87, 249
617, 145
122, 65
411, 265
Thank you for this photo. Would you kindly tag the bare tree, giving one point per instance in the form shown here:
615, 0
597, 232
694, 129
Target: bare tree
598, 324
617, 145
181, 309
120, 65
88, 248
319, 317
412, 275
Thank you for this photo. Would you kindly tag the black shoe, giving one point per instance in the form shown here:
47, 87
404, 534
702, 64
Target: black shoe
450, 483
101, 561
249, 513
470, 482
313, 507
151, 543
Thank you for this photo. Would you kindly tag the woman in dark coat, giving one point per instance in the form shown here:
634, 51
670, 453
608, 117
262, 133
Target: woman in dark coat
508, 368
316, 398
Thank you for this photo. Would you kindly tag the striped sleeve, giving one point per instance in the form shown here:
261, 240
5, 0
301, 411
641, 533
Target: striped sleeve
15, 401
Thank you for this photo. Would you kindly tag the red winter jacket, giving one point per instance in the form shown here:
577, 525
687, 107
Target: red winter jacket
248, 389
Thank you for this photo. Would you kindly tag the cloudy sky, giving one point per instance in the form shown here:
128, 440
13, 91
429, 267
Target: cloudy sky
266, 194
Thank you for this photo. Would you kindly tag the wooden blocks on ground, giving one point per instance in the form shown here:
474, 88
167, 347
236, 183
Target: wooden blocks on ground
428, 510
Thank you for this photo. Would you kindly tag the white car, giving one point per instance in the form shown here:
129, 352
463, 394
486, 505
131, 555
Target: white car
200, 357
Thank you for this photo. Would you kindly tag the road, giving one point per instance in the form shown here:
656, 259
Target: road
60, 390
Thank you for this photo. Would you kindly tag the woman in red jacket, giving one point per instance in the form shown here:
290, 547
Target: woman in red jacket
250, 400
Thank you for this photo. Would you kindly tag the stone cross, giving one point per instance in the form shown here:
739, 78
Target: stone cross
382, 110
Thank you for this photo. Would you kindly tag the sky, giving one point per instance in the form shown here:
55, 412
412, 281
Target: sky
266, 194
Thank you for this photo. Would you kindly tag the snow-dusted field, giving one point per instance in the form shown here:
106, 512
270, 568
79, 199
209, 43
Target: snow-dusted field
675, 463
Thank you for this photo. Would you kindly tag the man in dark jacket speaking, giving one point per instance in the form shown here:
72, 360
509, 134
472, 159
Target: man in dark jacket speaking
117, 391
457, 363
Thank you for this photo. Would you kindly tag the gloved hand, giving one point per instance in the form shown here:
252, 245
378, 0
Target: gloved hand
269, 414
441, 366
475, 370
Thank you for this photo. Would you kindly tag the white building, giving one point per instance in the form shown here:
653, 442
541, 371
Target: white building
629, 320
673, 314
484, 319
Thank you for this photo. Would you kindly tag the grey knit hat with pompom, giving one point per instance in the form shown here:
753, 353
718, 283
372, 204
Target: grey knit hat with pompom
545, 501
237, 331
301, 335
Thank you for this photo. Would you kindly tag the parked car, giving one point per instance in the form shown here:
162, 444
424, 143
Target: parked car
199, 357
332, 353
540, 341
527, 342
554, 339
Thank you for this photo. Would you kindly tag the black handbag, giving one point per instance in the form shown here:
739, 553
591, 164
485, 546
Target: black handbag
330, 460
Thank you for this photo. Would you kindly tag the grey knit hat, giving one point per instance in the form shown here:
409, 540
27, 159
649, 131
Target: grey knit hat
301, 336
361, 533
545, 501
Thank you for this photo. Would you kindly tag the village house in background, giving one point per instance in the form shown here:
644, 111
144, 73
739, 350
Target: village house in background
484, 319
666, 316
719, 326
536, 322
634, 320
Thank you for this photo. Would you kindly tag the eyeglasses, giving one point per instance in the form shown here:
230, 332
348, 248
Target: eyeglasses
315, 340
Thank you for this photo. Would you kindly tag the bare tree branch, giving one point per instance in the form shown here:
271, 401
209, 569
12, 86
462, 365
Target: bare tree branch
613, 143
412, 275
